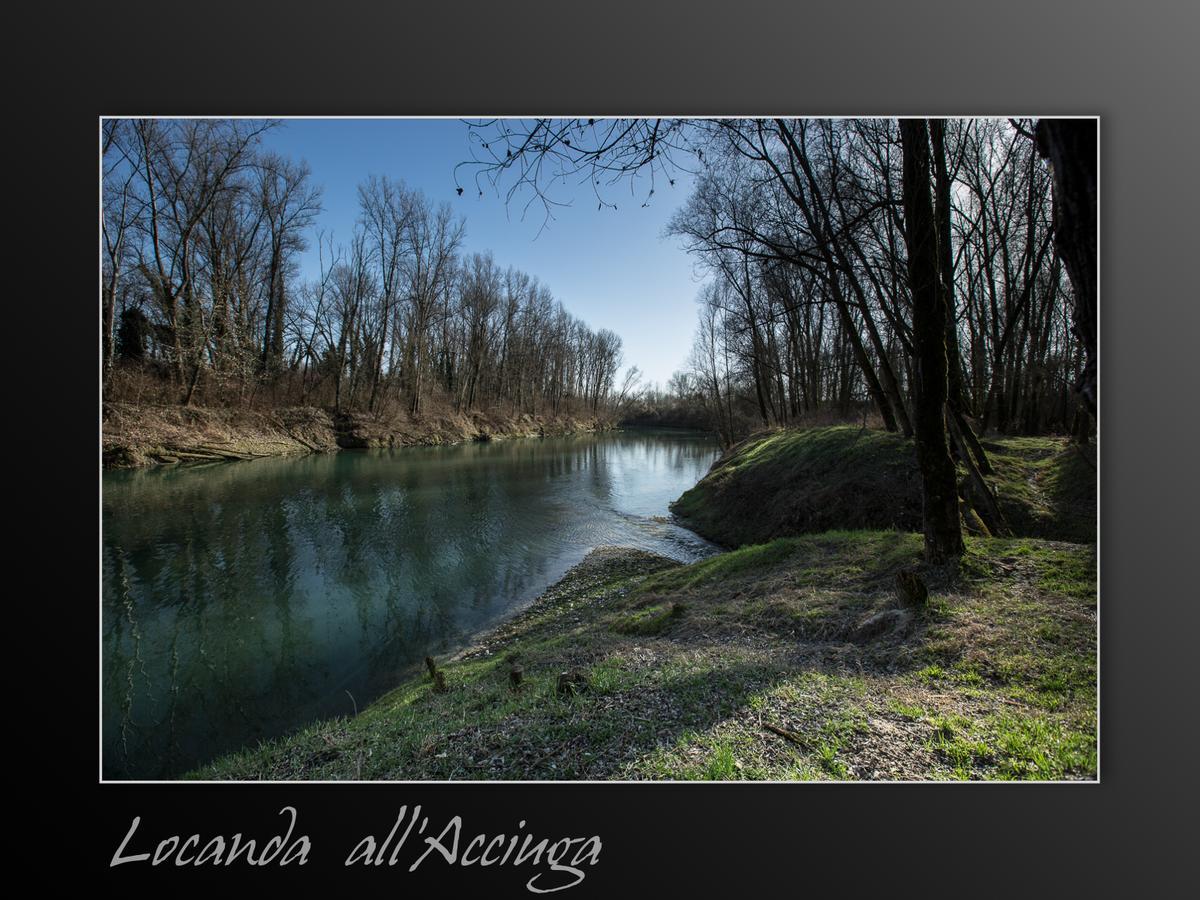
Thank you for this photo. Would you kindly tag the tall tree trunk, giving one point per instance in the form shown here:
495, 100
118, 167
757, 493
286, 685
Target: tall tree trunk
1070, 145
940, 514
277, 325
109, 316
956, 396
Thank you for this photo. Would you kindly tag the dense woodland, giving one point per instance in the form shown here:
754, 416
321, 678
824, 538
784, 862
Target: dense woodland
202, 300
807, 315
939, 275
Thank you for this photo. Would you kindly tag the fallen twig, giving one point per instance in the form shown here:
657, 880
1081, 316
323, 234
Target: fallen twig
792, 736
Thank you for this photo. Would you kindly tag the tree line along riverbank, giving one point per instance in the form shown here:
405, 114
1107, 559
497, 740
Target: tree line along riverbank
135, 435
802, 653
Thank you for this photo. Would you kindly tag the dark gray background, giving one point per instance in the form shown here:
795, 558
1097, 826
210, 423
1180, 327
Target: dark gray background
1134, 65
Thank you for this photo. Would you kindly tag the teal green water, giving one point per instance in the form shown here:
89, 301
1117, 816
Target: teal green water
244, 600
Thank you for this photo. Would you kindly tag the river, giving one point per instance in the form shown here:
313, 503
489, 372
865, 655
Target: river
244, 600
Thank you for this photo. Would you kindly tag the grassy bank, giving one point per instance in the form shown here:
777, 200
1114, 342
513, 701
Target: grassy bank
811, 480
789, 659
144, 435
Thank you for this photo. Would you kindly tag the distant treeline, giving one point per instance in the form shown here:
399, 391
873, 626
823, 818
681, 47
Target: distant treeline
202, 300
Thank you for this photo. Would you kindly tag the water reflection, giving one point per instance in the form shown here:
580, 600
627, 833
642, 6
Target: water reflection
243, 600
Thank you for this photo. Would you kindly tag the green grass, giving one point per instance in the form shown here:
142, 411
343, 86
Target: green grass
722, 567
1046, 487
805, 481
653, 620
812, 480
1012, 747
740, 667
721, 765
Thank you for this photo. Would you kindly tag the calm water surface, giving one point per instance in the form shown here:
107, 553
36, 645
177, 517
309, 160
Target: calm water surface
243, 600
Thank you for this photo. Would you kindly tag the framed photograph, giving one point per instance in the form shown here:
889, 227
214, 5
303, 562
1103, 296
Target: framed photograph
579, 488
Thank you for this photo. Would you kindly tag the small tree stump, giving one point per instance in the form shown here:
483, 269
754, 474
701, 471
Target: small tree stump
439, 679
514, 677
572, 682
910, 588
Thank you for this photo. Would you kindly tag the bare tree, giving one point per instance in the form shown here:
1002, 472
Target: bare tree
121, 212
290, 204
940, 514
1071, 146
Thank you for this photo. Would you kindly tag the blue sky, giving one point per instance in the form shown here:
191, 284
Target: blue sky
613, 269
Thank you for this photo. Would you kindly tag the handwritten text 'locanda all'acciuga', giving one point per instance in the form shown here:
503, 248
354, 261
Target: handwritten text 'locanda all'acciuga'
560, 861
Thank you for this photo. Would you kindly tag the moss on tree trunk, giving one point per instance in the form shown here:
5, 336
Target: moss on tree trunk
940, 516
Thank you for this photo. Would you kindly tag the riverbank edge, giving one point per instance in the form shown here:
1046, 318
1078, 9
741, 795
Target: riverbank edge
141, 436
635, 666
601, 565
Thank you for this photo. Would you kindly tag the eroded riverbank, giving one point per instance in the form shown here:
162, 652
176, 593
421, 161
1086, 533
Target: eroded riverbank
141, 435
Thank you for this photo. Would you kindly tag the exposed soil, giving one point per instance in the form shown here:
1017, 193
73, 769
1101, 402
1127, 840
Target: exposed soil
141, 435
